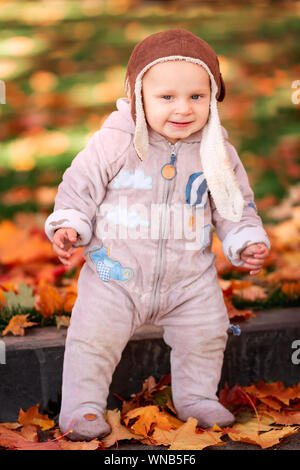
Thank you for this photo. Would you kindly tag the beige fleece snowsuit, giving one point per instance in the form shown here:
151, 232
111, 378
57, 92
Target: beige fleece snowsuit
148, 260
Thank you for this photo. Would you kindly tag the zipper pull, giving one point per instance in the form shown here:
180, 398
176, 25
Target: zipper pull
168, 171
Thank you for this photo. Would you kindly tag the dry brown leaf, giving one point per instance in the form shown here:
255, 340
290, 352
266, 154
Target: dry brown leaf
17, 324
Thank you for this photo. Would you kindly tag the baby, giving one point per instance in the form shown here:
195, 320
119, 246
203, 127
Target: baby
143, 197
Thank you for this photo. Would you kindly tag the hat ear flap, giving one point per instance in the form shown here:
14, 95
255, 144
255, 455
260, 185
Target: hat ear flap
222, 92
127, 88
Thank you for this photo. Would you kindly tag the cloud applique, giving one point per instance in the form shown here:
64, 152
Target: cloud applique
121, 216
136, 180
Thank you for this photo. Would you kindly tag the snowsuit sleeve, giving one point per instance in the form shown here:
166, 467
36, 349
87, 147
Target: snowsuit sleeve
236, 236
82, 189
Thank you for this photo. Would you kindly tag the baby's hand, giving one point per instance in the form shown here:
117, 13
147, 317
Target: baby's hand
63, 240
254, 257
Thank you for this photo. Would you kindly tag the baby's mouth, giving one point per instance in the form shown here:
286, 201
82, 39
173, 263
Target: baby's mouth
180, 124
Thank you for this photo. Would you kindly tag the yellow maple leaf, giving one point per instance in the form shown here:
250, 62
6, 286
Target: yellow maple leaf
186, 437
118, 431
32, 416
147, 417
265, 439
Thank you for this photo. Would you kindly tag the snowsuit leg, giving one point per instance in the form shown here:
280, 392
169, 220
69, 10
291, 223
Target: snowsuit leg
101, 324
196, 331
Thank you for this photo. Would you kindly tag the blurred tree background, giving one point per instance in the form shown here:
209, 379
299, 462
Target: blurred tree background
62, 67
63, 64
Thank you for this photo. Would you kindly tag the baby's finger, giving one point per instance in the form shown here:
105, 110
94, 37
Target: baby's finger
252, 273
252, 267
253, 261
61, 238
262, 254
61, 252
65, 237
64, 261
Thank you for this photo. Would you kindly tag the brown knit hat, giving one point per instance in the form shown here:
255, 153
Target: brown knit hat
179, 44
173, 42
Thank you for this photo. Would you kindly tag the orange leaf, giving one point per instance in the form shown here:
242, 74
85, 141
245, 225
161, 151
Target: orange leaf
118, 430
49, 300
27, 445
32, 416
274, 389
291, 289
78, 445
9, 438
30, 432
17, 324
264, 440
2, 297
147, 417
287, 418
18, 245
186, 437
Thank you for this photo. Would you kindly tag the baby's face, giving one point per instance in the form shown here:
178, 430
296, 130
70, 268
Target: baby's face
176, 96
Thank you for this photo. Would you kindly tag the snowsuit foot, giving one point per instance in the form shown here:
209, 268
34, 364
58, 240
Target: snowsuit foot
208, 413
85, 424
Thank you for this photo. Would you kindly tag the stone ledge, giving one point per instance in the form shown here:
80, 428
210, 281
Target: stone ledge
51, 336
33, 369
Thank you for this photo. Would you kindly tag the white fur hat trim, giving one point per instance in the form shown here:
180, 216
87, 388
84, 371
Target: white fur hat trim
216, 165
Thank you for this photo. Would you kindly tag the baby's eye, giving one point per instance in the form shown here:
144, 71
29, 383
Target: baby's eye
167, 97
195, 97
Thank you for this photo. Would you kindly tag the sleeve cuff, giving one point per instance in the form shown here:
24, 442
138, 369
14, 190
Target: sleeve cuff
70, 218
239, 238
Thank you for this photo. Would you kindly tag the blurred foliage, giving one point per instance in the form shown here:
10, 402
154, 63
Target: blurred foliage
63, 64
62, 68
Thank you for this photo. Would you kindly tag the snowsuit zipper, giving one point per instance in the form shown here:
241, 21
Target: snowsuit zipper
168, 189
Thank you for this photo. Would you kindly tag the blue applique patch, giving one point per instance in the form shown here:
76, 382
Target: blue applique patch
251, 204
107, 268
236, 330
196, 193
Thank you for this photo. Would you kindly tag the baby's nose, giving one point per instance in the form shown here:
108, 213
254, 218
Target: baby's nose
183, 107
